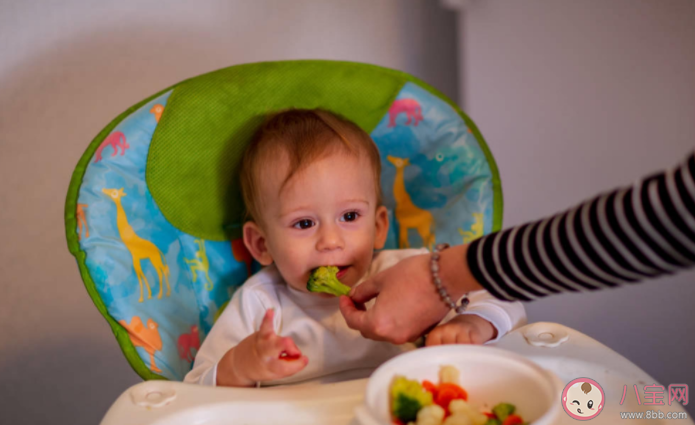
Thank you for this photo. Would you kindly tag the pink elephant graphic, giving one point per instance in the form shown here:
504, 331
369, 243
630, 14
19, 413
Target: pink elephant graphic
187, 343
411, 108
115, 140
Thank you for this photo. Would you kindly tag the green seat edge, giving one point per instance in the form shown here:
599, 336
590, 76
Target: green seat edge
121, 334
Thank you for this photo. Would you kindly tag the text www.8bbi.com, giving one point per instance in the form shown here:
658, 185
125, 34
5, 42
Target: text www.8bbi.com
653, 414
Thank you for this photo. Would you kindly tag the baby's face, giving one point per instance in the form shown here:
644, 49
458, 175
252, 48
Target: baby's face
325, 215
583, 404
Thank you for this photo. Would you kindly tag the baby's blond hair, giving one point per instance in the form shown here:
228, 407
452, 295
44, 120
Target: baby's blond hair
305, 136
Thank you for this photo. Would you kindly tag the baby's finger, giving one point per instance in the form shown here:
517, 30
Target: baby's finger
463, 337
267, 330
433, 338
449, 335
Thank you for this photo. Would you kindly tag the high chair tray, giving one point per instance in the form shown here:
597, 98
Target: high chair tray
564, 351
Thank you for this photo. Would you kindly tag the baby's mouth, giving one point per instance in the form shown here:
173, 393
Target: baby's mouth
341, 271
580, 411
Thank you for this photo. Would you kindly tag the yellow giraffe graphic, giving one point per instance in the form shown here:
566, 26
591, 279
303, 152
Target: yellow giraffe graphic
200, 263
140, 249
157, 110
408, 215
476, 229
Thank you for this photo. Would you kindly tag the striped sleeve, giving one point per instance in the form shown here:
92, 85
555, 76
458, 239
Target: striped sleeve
617, 238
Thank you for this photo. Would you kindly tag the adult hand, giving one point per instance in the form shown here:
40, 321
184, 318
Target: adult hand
407, 303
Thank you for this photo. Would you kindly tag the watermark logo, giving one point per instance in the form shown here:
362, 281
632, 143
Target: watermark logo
583, 399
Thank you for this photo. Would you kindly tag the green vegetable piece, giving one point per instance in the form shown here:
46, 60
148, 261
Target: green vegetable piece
323, 280
493, 421
407, 398
503, 410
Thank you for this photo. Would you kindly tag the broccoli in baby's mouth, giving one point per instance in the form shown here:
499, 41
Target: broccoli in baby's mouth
323, 280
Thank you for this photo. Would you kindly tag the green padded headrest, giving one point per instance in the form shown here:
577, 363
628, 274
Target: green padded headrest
153, 212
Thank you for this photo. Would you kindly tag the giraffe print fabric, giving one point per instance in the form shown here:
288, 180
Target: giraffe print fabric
165, 288
155, 281
437, 182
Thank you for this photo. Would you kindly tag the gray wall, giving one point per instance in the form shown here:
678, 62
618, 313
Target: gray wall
66, 69
579, 97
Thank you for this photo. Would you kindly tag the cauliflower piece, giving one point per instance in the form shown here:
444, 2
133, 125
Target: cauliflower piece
461, 407
448, 374
459, 419
430, 415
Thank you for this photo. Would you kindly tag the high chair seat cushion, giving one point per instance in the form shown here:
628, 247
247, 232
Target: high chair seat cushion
154, 212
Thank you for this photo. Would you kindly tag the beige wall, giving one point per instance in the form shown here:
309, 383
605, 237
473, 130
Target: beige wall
575, 98
66, 69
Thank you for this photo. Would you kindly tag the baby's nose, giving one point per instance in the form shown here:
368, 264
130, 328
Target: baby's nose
330, 238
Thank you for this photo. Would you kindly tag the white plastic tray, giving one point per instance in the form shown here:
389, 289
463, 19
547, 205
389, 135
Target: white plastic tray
327, 402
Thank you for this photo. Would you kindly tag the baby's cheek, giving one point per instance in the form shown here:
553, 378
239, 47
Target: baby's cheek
293, 268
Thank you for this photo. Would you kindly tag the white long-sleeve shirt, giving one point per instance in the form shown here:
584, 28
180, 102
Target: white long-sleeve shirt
317, 327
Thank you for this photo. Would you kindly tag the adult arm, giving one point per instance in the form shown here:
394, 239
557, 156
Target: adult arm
620, 237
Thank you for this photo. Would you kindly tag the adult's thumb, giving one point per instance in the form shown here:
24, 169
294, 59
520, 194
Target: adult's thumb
364, 292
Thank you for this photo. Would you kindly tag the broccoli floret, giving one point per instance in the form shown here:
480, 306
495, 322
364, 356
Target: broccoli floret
503, 410
407, 398
323, 280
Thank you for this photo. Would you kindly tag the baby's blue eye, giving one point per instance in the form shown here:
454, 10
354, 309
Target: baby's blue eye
350, 216
303, 224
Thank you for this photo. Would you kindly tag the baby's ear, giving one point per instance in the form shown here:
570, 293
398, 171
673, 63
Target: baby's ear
255, 241
382, 227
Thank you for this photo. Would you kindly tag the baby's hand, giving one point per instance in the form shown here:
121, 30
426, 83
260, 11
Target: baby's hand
462, 329
262, 356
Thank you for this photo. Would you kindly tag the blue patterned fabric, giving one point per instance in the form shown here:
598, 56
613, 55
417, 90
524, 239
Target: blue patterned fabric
448, 174
436, 183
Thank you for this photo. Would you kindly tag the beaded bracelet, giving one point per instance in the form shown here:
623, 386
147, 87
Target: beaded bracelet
434, 266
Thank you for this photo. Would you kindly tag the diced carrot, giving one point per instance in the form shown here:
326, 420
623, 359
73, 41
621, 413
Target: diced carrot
447, 392
490, 415
513, 420
430, 387
288, 357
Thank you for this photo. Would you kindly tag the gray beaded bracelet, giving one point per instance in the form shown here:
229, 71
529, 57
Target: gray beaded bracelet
434, 266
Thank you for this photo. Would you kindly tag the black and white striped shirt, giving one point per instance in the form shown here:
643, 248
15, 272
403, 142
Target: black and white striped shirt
623, 236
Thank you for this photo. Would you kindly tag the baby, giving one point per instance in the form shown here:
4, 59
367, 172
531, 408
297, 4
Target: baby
311, 185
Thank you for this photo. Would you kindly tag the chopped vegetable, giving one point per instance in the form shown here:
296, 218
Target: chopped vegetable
503, 410
448, 374
413, 403
288, 357
407, 398
513, 420
430, 387
458, 420
447, 392
323, 279
460, 407
430, 415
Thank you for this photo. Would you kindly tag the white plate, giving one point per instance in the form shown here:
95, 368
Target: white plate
335, 403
